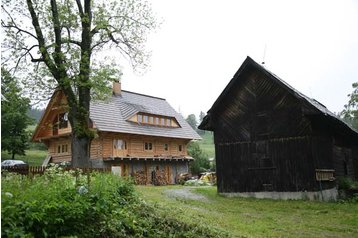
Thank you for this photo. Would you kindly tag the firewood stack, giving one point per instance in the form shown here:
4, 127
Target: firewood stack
160, 178
140, 177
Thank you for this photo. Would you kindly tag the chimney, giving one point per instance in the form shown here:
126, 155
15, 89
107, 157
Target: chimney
117, 88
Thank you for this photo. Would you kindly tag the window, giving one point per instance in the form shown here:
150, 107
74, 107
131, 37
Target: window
155, 120
180, 148
148, 146
166, 147
63, 148
119, 144
63, 120
140, 118
59, 122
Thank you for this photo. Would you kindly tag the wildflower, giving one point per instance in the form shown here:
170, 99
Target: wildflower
82, 190
9, 195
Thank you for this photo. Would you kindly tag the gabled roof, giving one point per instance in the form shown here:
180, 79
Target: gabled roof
113, 115
316, 107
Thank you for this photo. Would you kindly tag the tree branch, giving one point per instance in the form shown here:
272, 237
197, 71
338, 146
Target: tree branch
80, 8
14, 24
41, 40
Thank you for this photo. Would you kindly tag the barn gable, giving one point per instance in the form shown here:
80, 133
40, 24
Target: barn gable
271, 138
263, 88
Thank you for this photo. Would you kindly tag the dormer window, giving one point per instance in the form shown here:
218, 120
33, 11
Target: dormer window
168, 122
155, 120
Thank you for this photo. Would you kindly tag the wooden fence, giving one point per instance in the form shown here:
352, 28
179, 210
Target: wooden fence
39, 170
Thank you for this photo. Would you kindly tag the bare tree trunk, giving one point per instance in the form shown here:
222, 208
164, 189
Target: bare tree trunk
80, 152
81, 137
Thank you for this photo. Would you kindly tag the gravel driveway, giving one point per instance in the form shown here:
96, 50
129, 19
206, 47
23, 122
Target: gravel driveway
185, 193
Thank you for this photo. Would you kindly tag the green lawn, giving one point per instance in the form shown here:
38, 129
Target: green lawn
245, 217
32, 157
207, 144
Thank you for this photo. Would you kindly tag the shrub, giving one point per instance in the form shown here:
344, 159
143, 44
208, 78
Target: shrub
346, 183
61, 203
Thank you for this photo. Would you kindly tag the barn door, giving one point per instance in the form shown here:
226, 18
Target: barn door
119, 148
263, 171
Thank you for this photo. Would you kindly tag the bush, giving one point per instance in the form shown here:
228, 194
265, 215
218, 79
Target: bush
201, 161
61, 203
346, 183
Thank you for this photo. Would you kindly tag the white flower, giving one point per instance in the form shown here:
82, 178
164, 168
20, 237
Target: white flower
9, 195
82, 190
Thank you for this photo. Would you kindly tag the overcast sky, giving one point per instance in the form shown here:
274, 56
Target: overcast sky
312, 45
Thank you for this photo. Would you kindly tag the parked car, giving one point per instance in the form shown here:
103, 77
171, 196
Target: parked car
13, 163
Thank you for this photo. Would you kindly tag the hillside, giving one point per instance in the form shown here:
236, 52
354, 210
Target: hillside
207, 144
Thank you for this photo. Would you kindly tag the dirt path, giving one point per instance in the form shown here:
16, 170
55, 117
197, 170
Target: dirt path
185, 193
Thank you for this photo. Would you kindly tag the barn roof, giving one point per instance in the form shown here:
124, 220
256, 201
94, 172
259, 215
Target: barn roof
113, 115
316, 107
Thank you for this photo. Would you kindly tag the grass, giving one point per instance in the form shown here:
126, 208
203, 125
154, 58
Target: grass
207, 144
248, 217
32, 157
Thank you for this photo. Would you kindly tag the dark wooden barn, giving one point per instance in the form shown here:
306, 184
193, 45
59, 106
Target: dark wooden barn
273, 141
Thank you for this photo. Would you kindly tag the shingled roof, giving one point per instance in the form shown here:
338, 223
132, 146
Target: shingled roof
113, 115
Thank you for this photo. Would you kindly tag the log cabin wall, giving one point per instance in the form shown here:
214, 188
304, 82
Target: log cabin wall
60, 149
135, 145
96, 149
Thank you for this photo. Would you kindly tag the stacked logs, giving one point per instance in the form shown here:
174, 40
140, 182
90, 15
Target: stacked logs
140, 177
157, 177
160, 178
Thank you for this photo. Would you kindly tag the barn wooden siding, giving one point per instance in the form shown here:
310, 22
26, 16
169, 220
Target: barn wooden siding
258, 110
285, 164
270, 137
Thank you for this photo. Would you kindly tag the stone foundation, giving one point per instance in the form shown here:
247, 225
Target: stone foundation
324, 195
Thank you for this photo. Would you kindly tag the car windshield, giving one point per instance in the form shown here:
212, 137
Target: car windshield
12, 162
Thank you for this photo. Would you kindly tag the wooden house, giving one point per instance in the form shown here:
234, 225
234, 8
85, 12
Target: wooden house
137, 135
273, 141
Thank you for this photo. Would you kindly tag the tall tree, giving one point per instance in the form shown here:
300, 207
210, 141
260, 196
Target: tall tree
201, 161
201, 118
191, 119
350, 112
68, 43
14, 118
